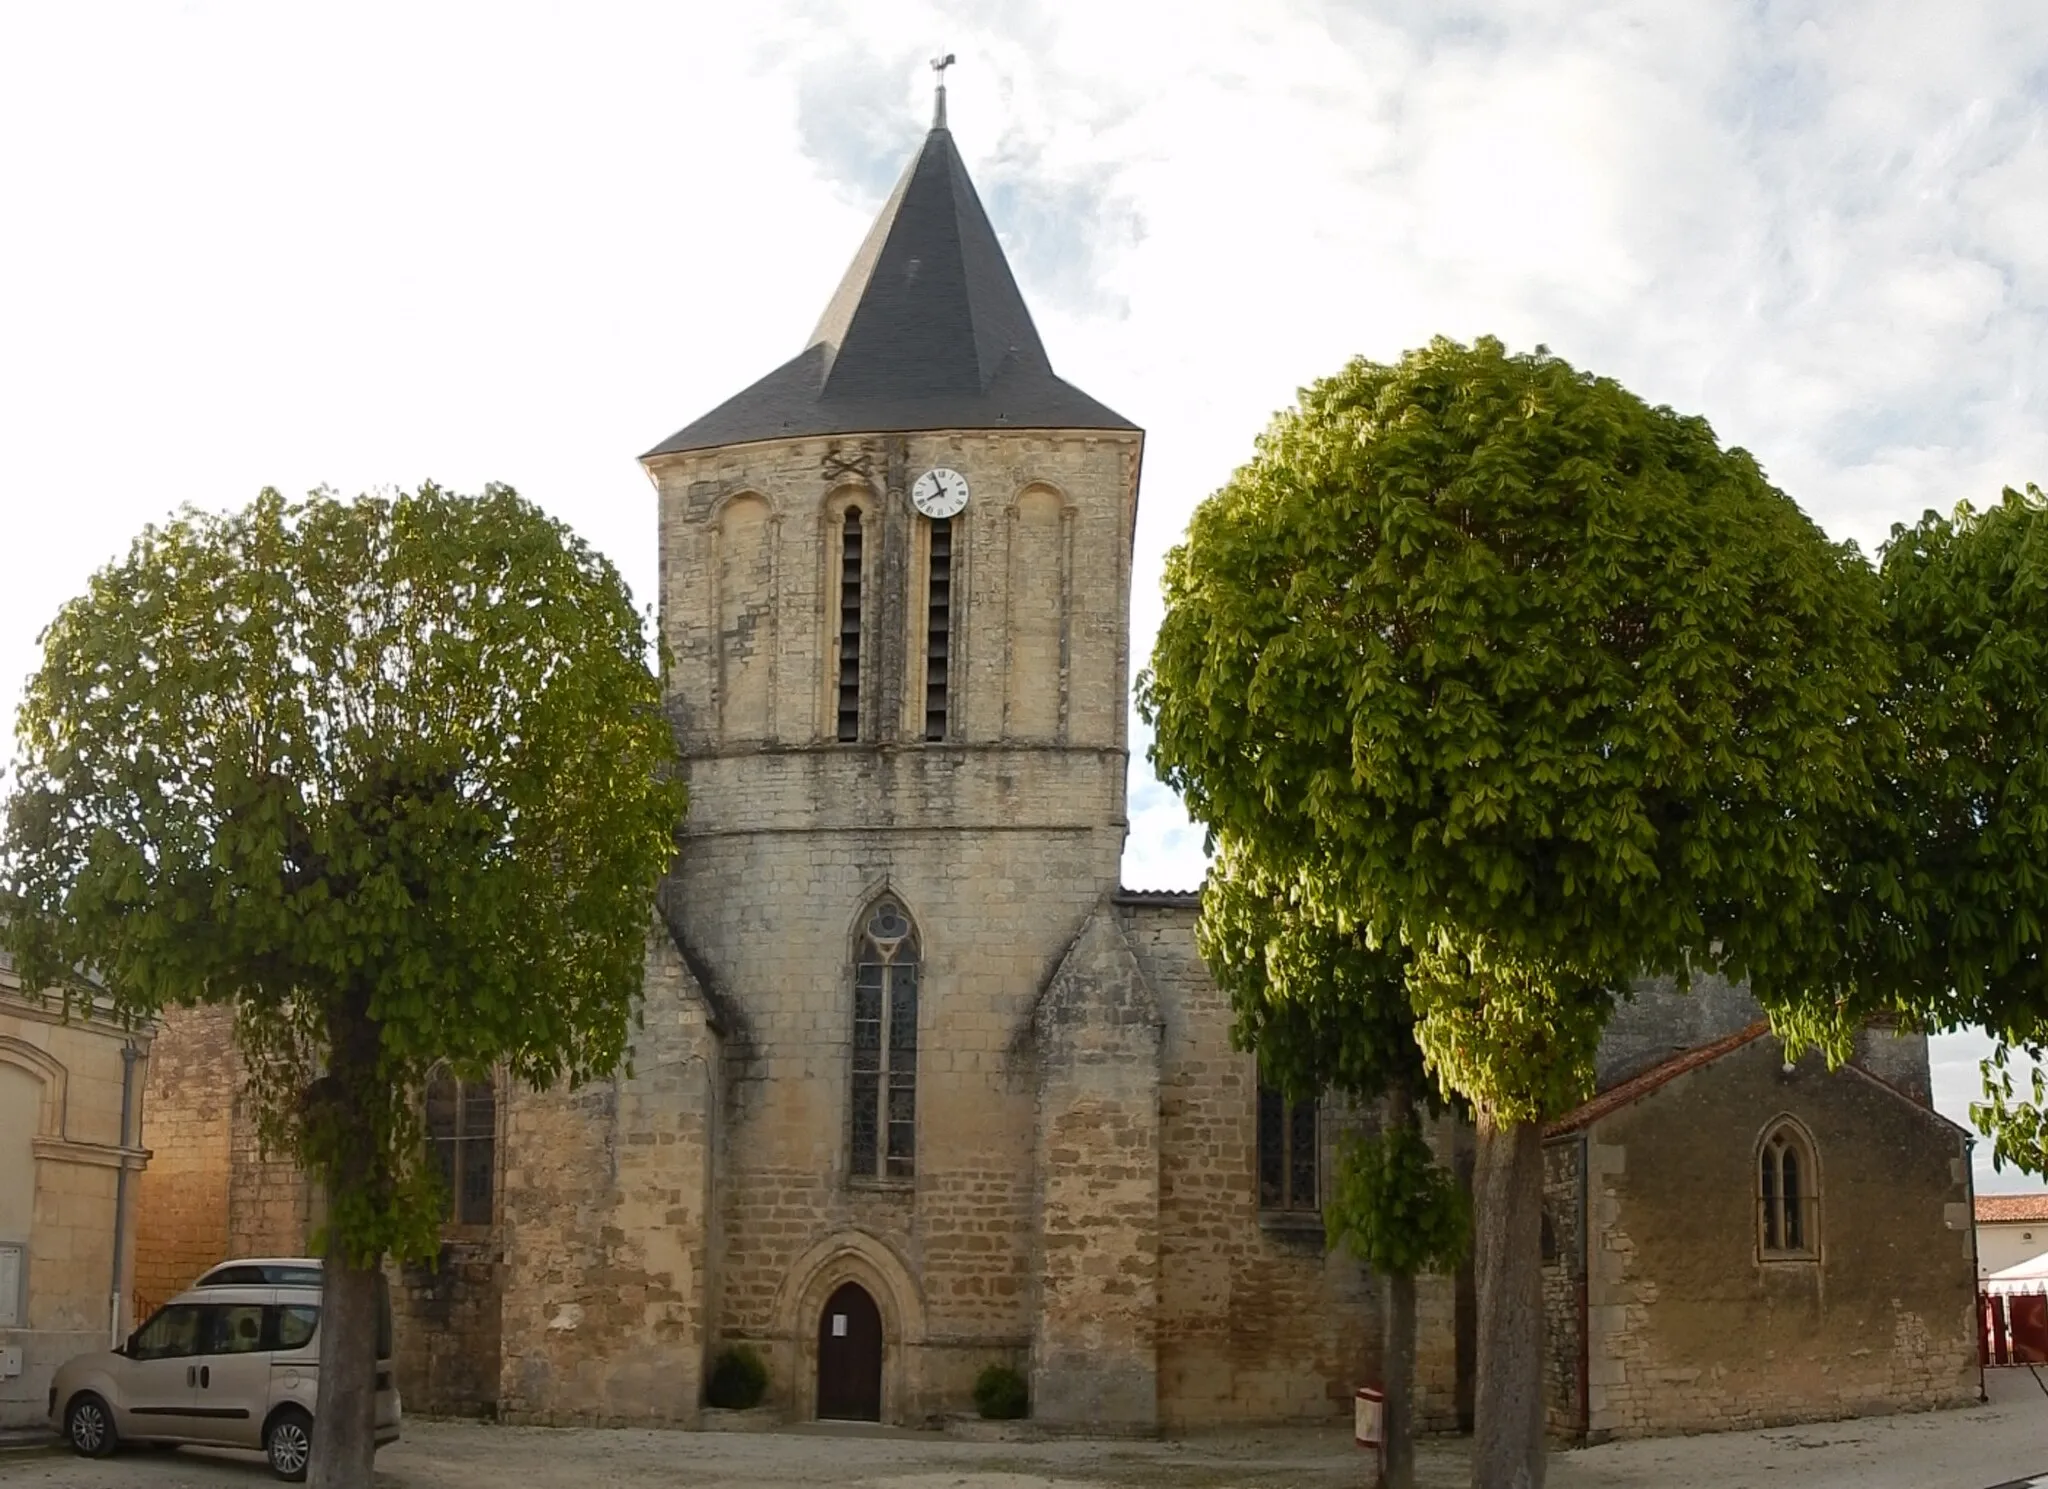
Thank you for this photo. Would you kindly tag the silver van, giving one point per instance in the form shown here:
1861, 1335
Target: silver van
233, 1362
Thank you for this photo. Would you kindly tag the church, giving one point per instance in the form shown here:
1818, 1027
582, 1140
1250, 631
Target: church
920, 1086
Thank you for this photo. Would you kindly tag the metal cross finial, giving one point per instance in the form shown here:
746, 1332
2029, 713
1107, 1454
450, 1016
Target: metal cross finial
939, 66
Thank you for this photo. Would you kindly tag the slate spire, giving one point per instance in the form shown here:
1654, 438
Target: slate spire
927, 331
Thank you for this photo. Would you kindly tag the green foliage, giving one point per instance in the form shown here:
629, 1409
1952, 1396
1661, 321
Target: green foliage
1320, 1002
1526, 676
1963, 850
1000, 1394
389, 776
1967, 600
1394, 1207
1325, 1008
739, 1379
1517, 1039
2017, 1125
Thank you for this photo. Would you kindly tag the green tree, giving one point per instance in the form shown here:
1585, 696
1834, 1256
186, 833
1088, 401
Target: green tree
1551, 690
1326, 1009
1958, 891
391, 778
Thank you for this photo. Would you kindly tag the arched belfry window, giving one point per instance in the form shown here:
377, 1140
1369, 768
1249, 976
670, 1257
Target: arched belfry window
848, 657
1788, 1194
462, 1136
883, 1120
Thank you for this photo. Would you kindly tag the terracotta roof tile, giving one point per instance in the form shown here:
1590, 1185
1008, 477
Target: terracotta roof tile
1638, 1086
1995, 1208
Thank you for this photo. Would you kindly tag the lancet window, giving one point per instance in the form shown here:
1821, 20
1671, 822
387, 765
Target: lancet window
1788, 1194
883, 1120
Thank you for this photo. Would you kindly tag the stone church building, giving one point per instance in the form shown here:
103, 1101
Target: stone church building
923, 1087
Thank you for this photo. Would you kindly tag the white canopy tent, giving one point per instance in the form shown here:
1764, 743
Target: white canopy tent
2029, 1276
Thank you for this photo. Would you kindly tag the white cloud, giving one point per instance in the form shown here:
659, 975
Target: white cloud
252, 244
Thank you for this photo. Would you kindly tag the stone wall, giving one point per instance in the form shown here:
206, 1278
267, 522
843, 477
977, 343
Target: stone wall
446, 1318
1258, 1322
62, 1156
605, 1212
211, 1192
181, 1224
1038, 651
998, 838
273, 1208
215, 1192
1563, 1290
1659, 1019
1094, 1356
1692, 1329
947, 1254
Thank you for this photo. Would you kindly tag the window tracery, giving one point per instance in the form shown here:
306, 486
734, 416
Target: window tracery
883, 1116
1788, 1194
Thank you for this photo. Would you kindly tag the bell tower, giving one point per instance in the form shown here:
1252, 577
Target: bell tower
895, 586
895, 571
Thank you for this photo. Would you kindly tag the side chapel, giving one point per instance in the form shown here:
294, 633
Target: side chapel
922, 1086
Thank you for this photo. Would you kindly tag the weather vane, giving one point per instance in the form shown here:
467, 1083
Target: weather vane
939, 66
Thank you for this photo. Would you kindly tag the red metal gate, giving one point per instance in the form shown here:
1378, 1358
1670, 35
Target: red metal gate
2012, 1328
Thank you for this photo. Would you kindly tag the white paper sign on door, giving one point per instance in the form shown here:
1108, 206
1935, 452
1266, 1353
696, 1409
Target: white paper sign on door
838, 1326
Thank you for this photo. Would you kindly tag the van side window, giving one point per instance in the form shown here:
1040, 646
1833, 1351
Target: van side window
294, 1325
171, 1335
232, 1329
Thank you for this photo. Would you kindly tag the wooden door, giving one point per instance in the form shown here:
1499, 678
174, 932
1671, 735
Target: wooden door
850, 1357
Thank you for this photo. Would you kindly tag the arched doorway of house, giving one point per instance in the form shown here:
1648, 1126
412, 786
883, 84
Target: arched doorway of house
850, 1357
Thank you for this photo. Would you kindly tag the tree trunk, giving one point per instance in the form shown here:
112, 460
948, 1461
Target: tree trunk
345, 1437
1507, 1184
1399, 1424
345, 1406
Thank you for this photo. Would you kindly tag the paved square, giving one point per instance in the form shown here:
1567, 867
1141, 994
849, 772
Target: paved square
2004, 1444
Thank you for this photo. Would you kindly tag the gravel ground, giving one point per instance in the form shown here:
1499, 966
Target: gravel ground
1973, 1449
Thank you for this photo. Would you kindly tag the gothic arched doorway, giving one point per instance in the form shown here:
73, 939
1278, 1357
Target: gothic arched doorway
850, 1357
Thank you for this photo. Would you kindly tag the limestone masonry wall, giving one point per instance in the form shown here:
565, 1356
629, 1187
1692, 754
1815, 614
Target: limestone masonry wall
1563, 1409
1692, 1329
181, 1210
1094, 1357
62, 1153
1257, 1322
604, 1215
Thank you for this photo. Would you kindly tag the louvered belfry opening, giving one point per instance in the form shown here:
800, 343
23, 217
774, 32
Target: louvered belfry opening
938, 628
849, 628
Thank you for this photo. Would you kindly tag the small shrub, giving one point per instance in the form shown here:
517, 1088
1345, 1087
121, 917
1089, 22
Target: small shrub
1000, 1394
738, 1379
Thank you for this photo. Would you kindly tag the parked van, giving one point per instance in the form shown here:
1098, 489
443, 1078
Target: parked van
233, 1361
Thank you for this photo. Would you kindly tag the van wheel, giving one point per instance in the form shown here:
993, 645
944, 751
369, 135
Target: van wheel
288, 1443
89, 1426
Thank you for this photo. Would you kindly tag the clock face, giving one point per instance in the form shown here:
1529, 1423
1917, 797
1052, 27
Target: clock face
939, 493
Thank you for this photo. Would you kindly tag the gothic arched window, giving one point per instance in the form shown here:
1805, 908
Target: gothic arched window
462, 1135
1788, 1194
883, 1119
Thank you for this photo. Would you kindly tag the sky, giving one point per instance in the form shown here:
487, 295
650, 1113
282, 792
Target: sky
360, 246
